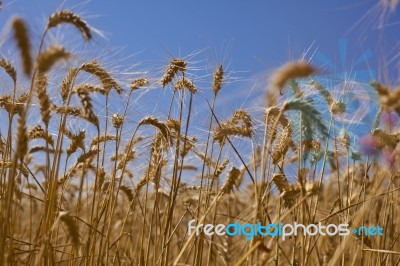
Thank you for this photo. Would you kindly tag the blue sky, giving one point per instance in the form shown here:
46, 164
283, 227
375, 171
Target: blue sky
253, 36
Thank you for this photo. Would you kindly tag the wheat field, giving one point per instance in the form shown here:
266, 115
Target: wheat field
83, 184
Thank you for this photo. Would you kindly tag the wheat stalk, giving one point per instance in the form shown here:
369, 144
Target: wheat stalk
39, 132
43, 97
65, 16
174, 66
9, 69
217, 80
21, 36
108, 82
50, 56
291, 70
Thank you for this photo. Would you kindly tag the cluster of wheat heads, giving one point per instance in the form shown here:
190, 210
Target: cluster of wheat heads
76, 197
